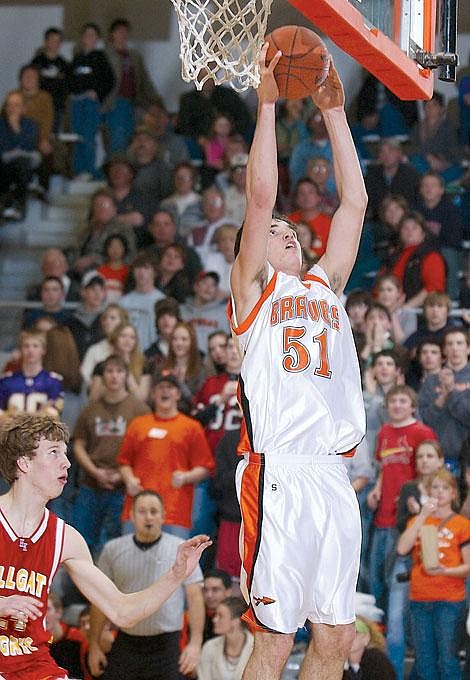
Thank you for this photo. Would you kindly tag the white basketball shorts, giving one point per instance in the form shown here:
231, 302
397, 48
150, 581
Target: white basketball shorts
300, 540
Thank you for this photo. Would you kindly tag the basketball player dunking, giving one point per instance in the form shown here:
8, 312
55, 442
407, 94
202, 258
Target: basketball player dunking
33, 543
300, 392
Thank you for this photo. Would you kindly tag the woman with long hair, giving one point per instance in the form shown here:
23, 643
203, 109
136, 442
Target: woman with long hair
184, 360
389, 292
125, 343
113, 316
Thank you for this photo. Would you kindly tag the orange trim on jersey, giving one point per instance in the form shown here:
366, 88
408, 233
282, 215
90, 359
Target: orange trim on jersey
244, 325
317, 279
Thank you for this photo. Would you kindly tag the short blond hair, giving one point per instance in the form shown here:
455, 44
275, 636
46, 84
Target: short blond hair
35, 334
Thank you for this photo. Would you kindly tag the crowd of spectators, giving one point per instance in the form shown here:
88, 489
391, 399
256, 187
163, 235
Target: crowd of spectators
144, 372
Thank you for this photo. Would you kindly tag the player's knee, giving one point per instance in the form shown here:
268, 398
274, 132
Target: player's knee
333, 641
273, 649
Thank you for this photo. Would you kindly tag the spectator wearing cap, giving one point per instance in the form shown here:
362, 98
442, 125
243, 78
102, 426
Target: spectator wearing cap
184, 203
85, 321
163, 232
213, 210
133, 87
102, 223
132, 206
52, 298
153, 174
390, 176
234, 194
167, 452
222, 259
205, 309
140, 302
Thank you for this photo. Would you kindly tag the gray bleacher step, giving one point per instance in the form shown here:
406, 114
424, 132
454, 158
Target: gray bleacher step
85, 188
67, 213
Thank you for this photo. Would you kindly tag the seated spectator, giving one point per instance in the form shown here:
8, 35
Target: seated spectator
140, 302
444, 397
440, 588
213, 144
52, 299
91, 81
162, 230
54, 263
97, 436
184, 361
464, 110
390, 295
306, 200
234, 147
205, 309
85, 320
153, 172
53, 72
444, 222
184, 203
378, 334
124, 343
171, 278
222, 259
216, 358
395, 454
19, 156
390, 176
428, 361
167, 315
226, 655
133, 208
213, 216
316, 144
172, 146
133, 87
433, 141
356, 305
61, 358
290, 130
234, 194
40, 108
113, 316
418, 264
367, 658
436, 308
32, 389
114, 269
68, 645
319, 171
386, 227
384, 373
103, 221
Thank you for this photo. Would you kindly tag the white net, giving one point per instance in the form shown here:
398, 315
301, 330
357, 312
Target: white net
221, 39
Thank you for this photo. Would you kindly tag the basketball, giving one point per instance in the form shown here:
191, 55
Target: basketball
304, 64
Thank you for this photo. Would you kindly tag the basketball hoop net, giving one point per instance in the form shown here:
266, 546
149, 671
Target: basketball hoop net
222, 39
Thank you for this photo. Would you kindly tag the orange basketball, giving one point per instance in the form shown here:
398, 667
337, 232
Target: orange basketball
304, 64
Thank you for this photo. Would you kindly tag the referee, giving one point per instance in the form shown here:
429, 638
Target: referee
150, 649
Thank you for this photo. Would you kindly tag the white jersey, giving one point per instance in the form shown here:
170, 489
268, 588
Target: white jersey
300, 383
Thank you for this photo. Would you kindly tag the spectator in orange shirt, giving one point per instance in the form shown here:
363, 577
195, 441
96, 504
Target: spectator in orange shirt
437, 594
166, 452
306, 200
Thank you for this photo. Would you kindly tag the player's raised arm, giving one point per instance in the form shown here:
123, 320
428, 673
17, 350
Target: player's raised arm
346, 225
261, 189
125, 610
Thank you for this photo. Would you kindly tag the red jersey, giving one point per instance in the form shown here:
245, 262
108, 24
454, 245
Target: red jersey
395, 451
228, 416
27, 567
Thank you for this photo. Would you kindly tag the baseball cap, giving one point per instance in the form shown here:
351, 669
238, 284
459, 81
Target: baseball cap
202, 275
90, 278
167, 377
239, 160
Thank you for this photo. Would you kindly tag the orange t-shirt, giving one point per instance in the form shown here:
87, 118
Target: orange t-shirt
320, 225
154, 448
452, 536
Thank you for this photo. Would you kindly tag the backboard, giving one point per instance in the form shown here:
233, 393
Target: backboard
385, 36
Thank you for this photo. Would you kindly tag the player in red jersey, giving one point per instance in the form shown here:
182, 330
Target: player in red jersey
34, 542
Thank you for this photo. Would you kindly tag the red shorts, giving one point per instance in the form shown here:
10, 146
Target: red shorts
39, 670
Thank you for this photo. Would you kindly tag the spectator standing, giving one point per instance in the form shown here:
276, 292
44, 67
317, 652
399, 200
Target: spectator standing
133, 88
53, 72
140, 302
444, 397
205, 310
91, 81
395, 453
226, 655
32, 389
150, 648
390, 176
98, 433
437, 595
167, 452
85, 322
